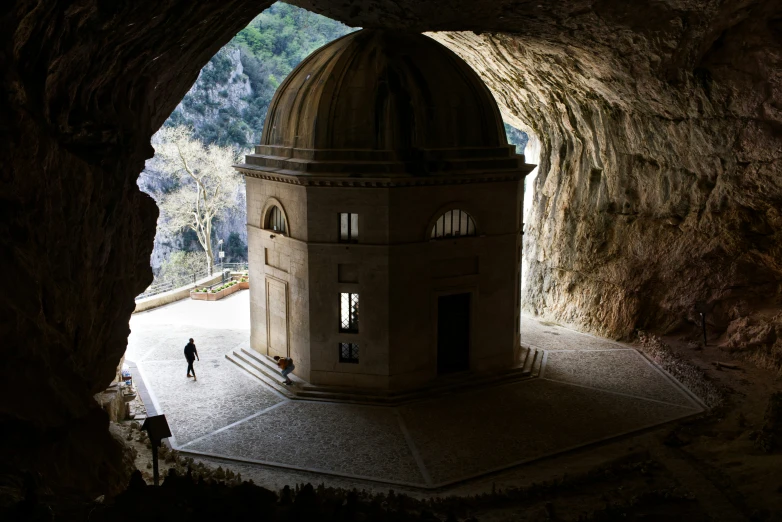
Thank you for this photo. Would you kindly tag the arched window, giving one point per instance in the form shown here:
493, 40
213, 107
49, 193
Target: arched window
275, 220
453, 223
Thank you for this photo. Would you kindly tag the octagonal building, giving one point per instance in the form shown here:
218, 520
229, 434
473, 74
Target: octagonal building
384, 210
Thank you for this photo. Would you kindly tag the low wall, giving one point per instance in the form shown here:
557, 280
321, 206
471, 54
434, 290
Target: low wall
112, 402
183, 292
209, 296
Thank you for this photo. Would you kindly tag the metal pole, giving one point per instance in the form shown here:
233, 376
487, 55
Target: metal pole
155, 470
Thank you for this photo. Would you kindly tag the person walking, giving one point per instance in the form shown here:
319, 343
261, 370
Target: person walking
191, 354
287, 366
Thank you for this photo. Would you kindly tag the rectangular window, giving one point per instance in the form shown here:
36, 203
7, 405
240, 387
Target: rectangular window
348, 228
348, 353
348, 312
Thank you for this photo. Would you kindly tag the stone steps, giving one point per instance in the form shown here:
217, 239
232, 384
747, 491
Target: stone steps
533, 360
265, 369
259, 371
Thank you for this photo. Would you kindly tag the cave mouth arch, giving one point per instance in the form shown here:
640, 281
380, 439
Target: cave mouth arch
320, 115
222, 108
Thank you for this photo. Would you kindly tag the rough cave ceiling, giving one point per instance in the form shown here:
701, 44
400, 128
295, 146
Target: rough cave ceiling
659, 125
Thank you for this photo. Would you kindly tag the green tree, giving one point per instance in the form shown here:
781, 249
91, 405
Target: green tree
180, 267
272, 44
235, 248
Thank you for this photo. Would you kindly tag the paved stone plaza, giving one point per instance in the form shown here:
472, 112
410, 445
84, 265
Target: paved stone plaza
589, 390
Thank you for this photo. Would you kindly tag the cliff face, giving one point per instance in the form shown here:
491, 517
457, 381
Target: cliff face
659, 182
220, 93
84, 88
660, 177
660, 141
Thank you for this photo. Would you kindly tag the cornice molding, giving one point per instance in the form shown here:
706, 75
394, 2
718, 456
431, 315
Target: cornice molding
364, 182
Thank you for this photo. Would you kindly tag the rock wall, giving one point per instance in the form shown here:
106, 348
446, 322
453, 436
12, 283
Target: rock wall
660, 178
226, 94
85, 84
213, 96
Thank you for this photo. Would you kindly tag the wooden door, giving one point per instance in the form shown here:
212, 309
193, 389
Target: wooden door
277, 318
453, 333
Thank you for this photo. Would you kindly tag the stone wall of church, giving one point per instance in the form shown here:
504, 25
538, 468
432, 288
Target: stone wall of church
279, 273
396, 269
422, 270
360, 267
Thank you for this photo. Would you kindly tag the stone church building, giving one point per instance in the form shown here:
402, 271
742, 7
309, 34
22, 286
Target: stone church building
384, 218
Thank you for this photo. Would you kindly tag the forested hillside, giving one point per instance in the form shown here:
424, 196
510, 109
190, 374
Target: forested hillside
228, 103
227, 106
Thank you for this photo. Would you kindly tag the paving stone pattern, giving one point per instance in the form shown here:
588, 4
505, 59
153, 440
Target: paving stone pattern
218, 327
344, 439
221, 395
167, 342
591, 390
621, 371
473, 433
550, 336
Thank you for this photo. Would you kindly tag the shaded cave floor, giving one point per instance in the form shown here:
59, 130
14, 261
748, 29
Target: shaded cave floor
706, 457
590, 390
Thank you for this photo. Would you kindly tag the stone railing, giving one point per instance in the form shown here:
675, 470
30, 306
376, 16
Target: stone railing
183, 292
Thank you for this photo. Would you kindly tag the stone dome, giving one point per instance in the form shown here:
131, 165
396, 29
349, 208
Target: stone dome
378, 101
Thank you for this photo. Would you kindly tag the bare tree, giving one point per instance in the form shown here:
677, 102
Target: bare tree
204, 183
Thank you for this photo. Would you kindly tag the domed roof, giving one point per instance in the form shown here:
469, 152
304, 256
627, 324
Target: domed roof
377, 101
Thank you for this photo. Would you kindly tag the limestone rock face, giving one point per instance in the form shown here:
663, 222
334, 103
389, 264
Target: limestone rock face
659, 181
85, 86
660, 170
659, 129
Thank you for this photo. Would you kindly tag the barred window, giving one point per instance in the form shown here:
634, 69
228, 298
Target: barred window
348, 312
348, 228
348, 353
453, 223
275, 220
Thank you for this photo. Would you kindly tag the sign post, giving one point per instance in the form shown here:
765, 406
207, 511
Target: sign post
157, 429
221, 255
703, 308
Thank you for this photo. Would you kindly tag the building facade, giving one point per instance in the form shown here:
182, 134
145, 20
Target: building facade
384, 218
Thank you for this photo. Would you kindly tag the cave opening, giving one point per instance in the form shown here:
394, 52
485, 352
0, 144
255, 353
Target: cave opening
217, 126
205, 134
226, 107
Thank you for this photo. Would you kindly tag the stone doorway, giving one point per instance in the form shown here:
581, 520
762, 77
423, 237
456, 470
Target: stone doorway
277, 317
453, 333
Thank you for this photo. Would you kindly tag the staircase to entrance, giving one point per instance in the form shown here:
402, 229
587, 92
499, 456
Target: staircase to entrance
265, 369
